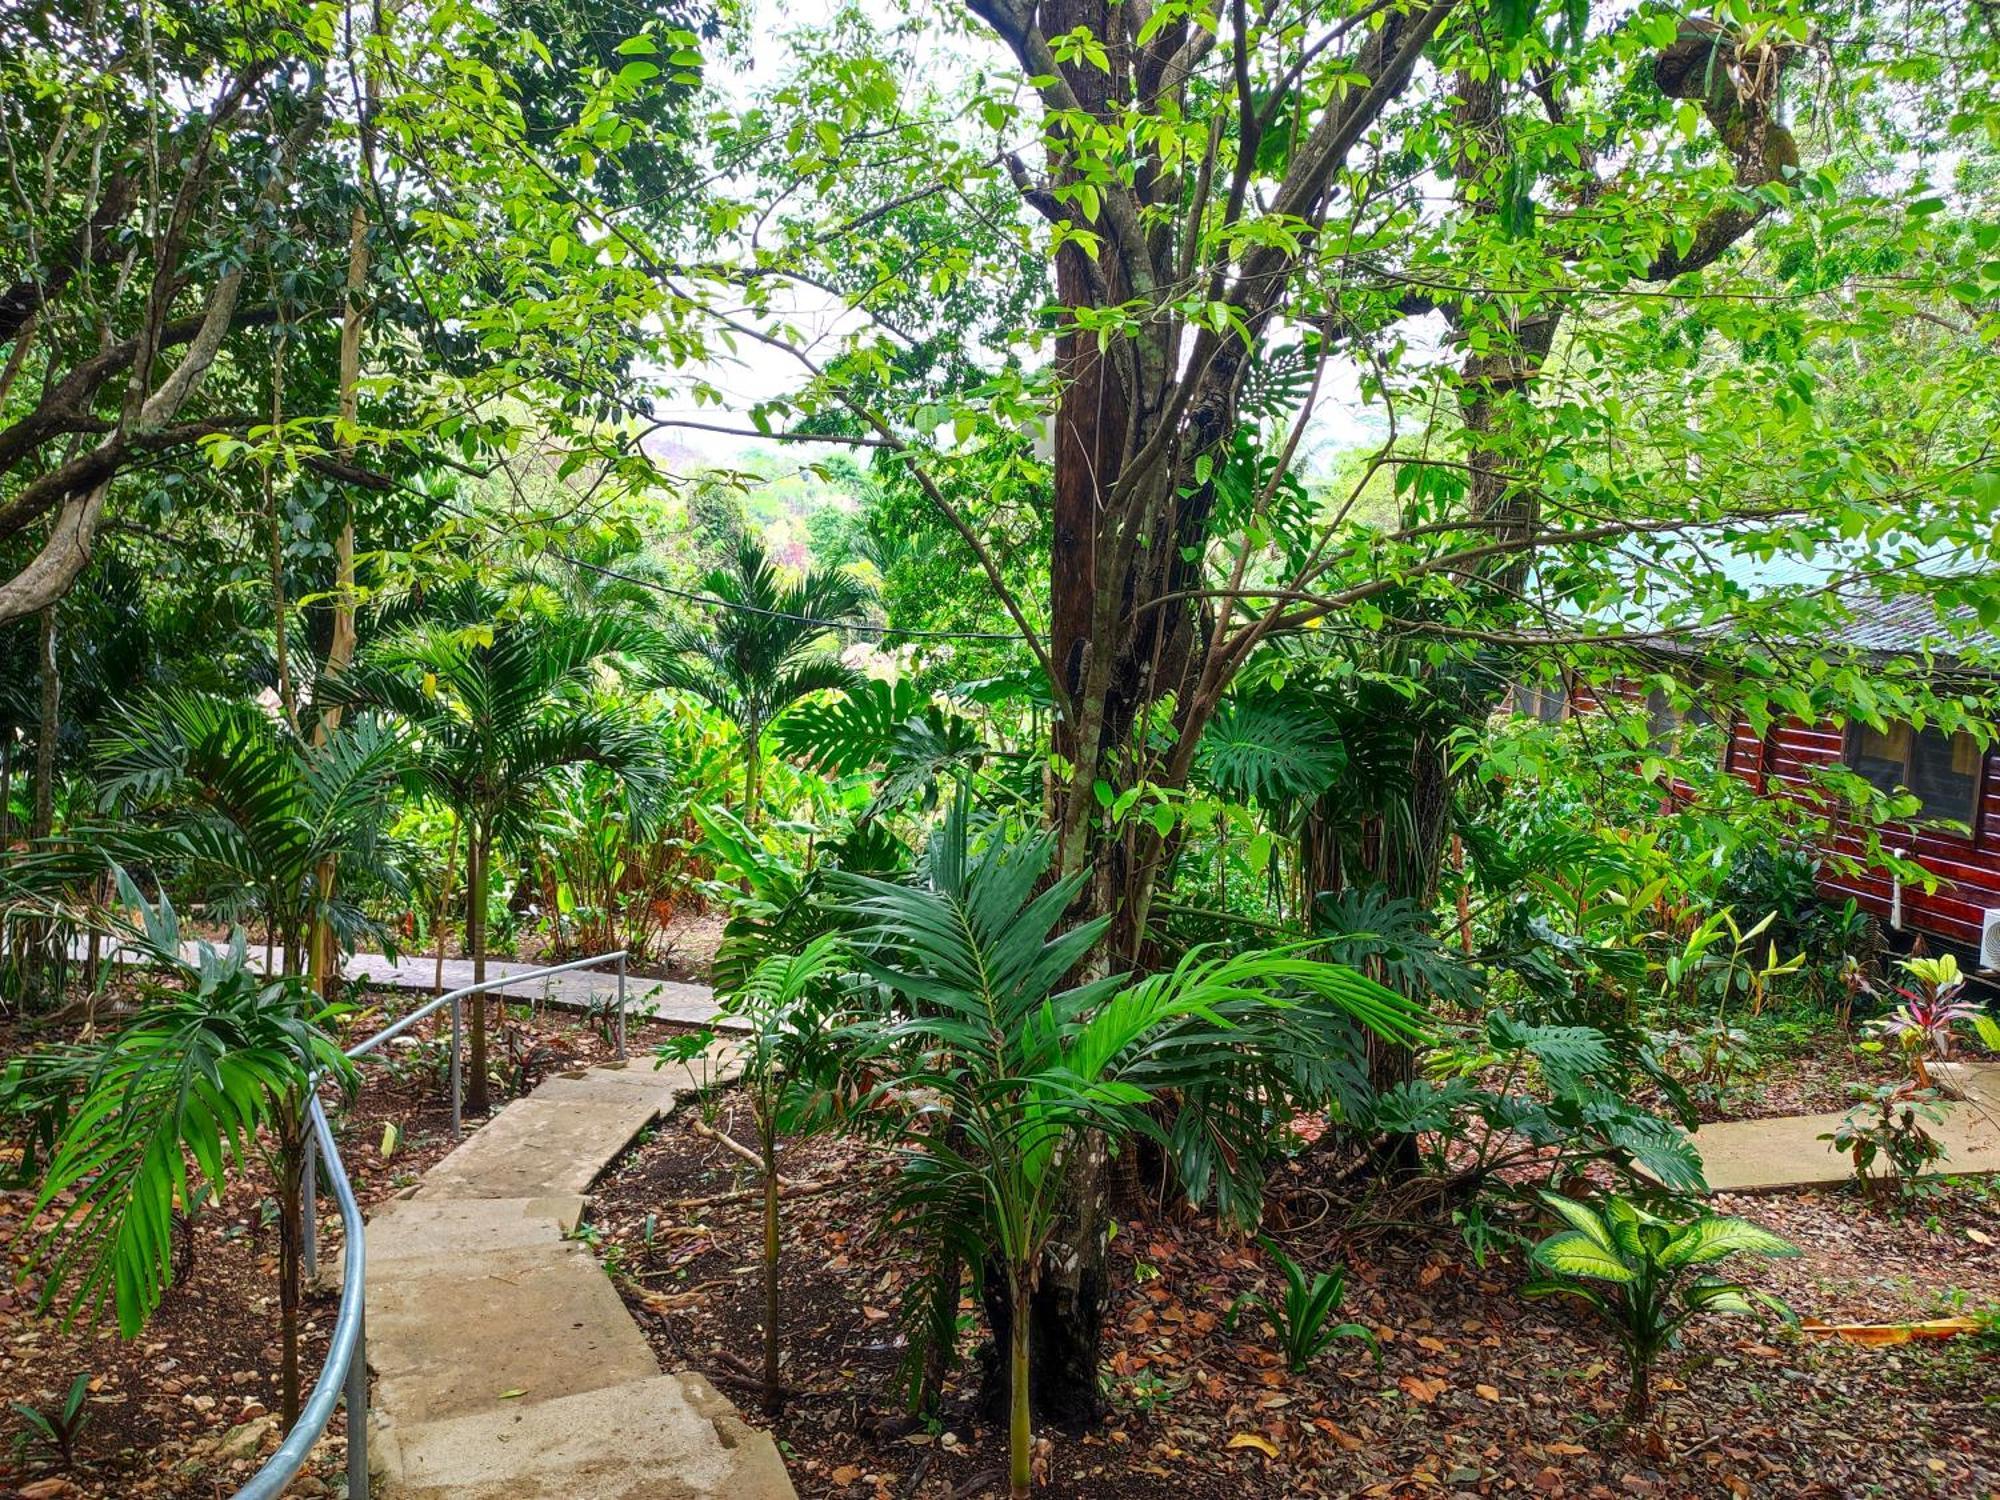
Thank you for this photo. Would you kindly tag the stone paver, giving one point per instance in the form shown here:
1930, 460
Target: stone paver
550, 1142
476, 1331
505, 1363
1740, 1156
676, 1440
662, 999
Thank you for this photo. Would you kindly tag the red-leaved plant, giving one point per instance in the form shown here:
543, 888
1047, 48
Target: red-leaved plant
1923, 1024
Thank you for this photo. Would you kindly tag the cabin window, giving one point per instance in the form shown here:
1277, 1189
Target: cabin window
1537, 701
1942, 770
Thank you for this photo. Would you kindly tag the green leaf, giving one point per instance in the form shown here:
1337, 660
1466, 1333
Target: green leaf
1572, 1253
1711, 1238
1582, 1220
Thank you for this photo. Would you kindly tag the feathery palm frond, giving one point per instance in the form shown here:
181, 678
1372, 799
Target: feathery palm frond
232, 795
498, 704
974, 1009
198, 1073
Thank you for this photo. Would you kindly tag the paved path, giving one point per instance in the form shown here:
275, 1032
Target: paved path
1761, 1155
662, 999
505, 1363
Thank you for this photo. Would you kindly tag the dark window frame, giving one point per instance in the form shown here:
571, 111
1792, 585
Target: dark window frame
1970, 816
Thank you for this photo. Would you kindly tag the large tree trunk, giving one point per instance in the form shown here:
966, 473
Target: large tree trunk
1140, 422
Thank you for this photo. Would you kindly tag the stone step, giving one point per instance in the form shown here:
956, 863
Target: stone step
1764, 1155
463, 1333
431, 1228
404, 1229
666, 1437
505, 1362
553, 1142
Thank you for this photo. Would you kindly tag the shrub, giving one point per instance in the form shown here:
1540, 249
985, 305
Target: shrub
1926, 1023
1888, 1124
1302, 1318
1643, 1275
56, 1430
969, 1011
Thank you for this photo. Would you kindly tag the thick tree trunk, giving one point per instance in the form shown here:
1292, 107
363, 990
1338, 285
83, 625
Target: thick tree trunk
1065, 1306
1139, 422
476, 853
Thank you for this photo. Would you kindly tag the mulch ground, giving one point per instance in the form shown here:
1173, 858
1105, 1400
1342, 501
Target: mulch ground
1795, 1067
1479, 1391
189, 1408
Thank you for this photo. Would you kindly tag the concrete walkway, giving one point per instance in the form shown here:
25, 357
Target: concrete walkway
505, 1363
661, 999
1748, 1156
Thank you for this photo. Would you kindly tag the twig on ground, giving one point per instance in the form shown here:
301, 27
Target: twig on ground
789, 1190
730, 1143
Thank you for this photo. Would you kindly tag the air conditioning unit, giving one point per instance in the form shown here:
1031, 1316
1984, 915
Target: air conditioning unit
1989, 938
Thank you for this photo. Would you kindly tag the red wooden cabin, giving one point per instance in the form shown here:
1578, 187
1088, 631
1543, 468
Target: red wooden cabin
1957, 782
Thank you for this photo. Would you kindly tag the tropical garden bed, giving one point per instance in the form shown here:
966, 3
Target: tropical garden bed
1384, 606
1477, 1392
188, 1409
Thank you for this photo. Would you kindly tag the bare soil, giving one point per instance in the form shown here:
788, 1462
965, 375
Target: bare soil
1479, 1391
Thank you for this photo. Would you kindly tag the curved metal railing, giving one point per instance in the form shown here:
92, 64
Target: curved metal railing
346, 1369
345, 1373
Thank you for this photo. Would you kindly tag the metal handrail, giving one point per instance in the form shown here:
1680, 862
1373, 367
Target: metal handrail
345, 1372
346, 1369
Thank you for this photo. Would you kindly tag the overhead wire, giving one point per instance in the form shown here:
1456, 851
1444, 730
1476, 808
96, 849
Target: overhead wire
712, 601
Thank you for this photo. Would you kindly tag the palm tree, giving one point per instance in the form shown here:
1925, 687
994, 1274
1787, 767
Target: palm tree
785, 1007
764, 651
967, 965
498, 706
216, 1065
252, 813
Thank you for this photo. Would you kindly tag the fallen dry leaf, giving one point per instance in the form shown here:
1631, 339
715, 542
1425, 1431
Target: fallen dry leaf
1420, 1390
1255, 1440
1875, 1335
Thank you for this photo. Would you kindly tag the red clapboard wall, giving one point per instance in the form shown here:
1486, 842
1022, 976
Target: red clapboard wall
1967, 864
